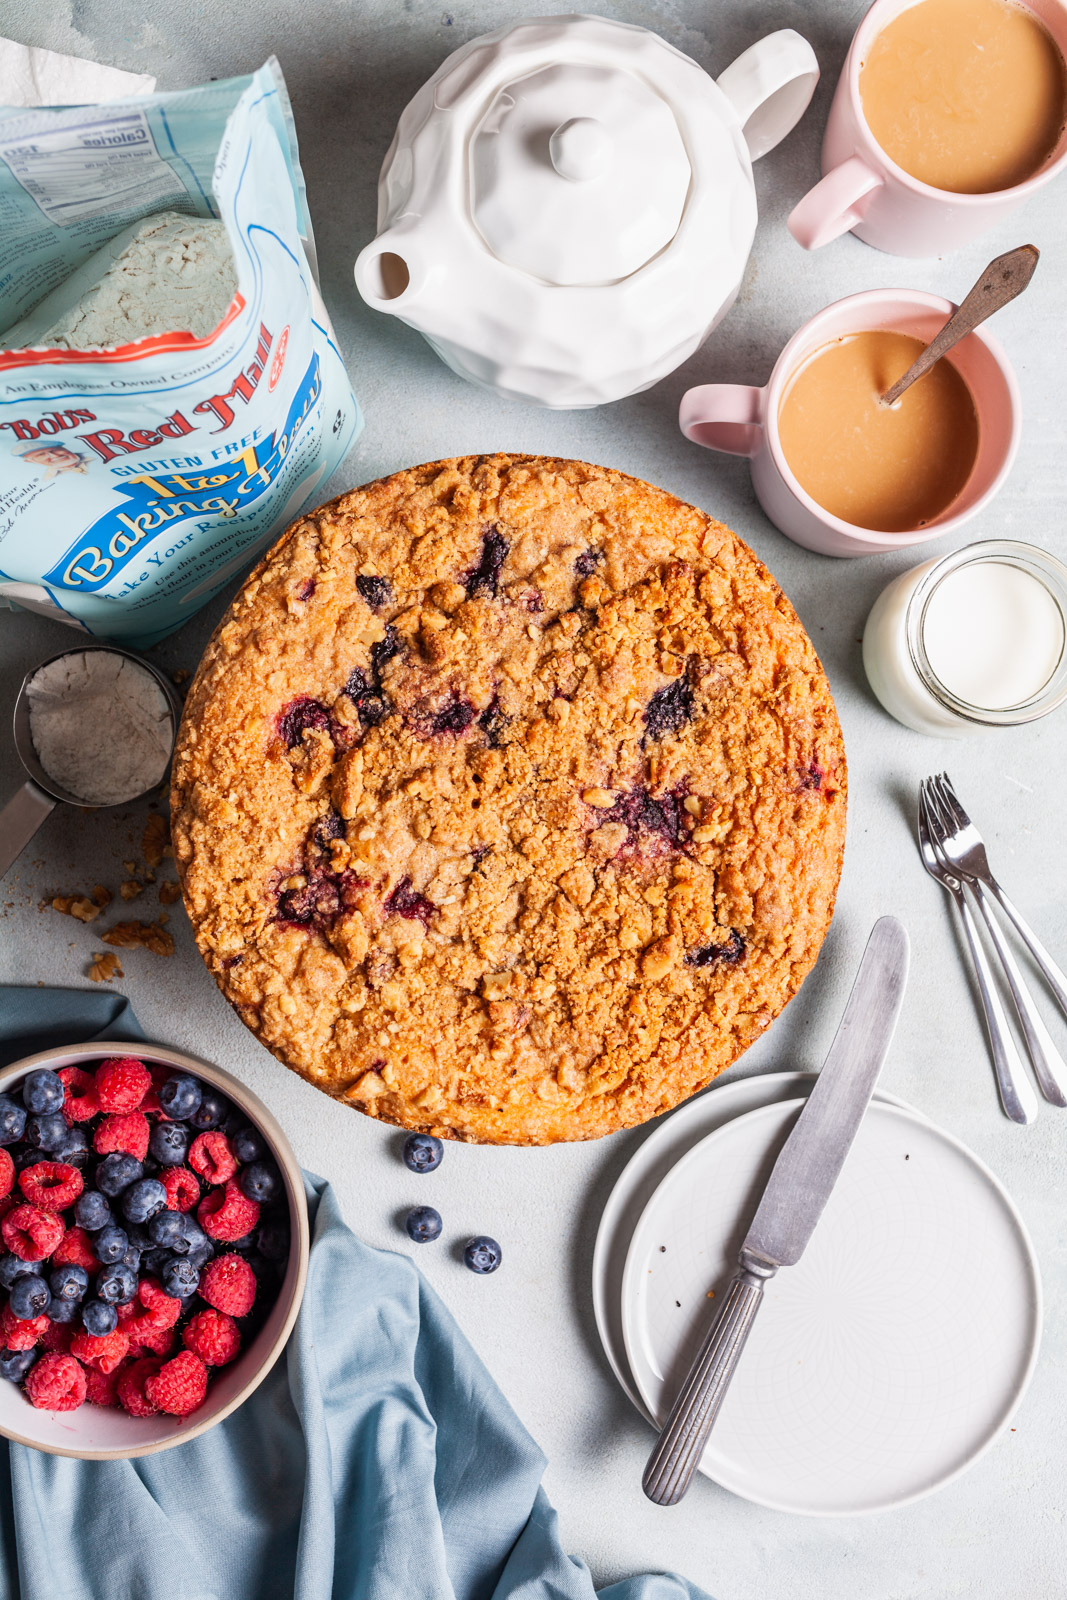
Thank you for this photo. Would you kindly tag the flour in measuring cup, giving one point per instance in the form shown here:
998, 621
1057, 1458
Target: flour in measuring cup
165, 274
101, 726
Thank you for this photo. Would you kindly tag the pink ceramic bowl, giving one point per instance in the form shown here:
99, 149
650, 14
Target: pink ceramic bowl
743, 420
96, 1433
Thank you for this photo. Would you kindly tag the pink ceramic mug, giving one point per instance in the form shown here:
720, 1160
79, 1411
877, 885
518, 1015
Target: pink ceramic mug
863, 190
743, 421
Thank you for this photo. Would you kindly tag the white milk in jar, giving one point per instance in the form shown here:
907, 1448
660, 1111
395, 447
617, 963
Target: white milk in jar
975, 640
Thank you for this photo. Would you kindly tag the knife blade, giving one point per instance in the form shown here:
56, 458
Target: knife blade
800, 1184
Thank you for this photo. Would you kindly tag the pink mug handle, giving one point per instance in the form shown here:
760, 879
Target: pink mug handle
723, 416
834, 205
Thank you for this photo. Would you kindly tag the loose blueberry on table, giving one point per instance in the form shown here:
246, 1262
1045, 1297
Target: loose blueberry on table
423, 1224
482, 1254
145, 1235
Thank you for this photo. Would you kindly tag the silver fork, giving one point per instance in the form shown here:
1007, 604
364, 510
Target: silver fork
1016, 1095
965, 848
1049, 1067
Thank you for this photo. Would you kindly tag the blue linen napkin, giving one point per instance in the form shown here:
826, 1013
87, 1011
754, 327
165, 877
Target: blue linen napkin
377, 1461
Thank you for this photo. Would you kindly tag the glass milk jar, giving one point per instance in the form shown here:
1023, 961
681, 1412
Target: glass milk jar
976, 640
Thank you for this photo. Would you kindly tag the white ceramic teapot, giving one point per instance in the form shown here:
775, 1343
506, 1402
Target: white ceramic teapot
567, 206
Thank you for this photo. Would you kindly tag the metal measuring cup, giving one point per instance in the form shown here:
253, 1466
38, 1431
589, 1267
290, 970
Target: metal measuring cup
39, 795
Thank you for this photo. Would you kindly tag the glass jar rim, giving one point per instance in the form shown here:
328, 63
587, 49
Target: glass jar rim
1041, 565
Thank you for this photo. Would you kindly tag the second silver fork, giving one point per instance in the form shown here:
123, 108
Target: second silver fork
1049, 1068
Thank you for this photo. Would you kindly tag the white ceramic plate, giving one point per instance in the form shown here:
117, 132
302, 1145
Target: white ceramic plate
881, 1365
643, 1173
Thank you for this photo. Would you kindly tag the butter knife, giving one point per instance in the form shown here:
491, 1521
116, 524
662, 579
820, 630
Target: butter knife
797, 1191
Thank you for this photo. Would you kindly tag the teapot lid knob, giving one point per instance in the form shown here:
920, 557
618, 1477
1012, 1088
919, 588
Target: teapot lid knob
580, 149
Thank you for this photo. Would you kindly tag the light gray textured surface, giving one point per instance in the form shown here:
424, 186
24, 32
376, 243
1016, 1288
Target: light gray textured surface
1000, 1531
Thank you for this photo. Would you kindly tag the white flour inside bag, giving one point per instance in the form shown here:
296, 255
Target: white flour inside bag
167, 274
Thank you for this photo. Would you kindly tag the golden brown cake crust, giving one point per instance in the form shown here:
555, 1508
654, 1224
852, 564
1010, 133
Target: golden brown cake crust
509, 800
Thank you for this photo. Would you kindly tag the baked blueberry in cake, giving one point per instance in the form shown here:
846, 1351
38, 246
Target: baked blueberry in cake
509, 800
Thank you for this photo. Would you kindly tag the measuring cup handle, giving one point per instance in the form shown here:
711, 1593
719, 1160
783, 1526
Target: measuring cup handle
20, 819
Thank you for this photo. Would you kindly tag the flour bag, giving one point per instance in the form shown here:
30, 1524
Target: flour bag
171, 393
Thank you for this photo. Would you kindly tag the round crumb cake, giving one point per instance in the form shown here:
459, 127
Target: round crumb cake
509, 800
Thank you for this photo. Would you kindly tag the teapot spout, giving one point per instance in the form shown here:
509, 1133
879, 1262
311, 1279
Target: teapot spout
385, 274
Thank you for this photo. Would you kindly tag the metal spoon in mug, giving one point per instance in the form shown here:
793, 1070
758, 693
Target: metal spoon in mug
1001, 281
37, 799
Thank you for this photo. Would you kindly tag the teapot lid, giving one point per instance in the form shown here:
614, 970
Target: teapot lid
578, 173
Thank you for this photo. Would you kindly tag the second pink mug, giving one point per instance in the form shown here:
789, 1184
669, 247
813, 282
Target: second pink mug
864, 191
742, 420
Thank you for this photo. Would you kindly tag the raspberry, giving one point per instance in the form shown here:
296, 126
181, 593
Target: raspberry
56, 1383
75, 1249
213, 1336
160, 1310
8, 1203
179, 1386
211, 1156
145, 1336
225, 1214
131, 1387
125, 1131
57, 1336
32, 1234
183, 1189
15, 1334
121, 1083
81, 1102
229, 1284
51, 1185
105, 1352
7, 1172
101, 1388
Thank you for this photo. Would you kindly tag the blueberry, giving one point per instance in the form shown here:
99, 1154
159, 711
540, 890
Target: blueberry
273, 1241
43, 1091
111, 1244
248, 1144
167, 1228
47, 1129
422, 1152
14, 1364
117, 1285
12, 1119
63, 1310
69, 1283
212, 1110
75, 1148
154, 1260
423, 1224
261, 1181
116, 1172
482, 1254
30, 1296
200, 1248
99, 1319
132, 1257
28, 1156
91, 1210
180, 1096
142, 1200
245, 1243
12, 1267
180, 1278
169, 1143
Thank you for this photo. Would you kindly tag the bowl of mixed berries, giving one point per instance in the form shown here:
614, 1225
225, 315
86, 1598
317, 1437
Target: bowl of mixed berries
153, 1248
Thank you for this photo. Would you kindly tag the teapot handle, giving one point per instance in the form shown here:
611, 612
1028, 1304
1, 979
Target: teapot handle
769, 87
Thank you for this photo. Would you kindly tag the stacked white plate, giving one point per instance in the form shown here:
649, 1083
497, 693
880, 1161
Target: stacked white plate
881, 1365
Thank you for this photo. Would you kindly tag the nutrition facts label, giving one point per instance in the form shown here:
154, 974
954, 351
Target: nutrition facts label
109, 164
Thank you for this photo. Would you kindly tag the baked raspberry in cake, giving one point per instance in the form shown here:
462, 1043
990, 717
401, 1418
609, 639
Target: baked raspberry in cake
509, 800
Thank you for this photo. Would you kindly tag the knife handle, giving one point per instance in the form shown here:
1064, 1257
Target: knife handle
677, 1452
